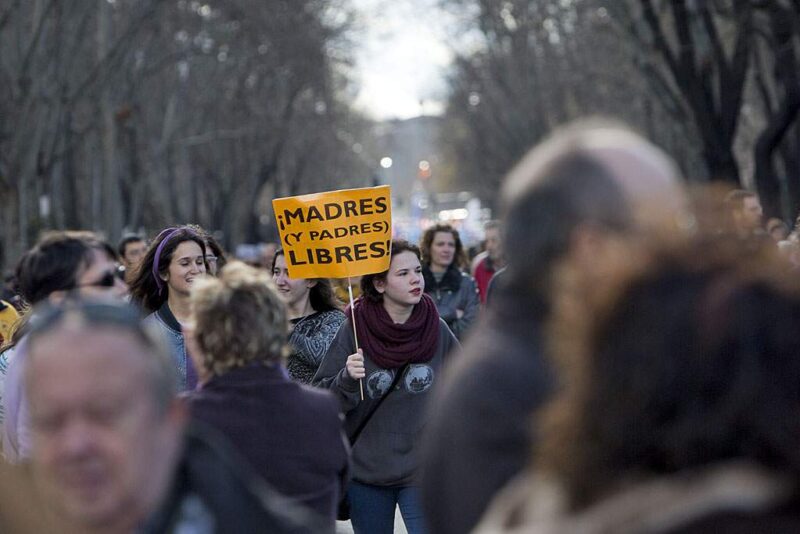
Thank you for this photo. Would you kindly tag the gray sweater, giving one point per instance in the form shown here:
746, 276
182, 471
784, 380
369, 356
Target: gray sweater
385, 453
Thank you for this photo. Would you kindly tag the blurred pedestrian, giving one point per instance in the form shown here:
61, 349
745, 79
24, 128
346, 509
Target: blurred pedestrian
111, 451
575, 204
215, 255
290, 434
314, 318
131, 250
678, 412
60, 264
453, 291
266, 254
777, 229
746, 214
491, 260
172, 263
403, 347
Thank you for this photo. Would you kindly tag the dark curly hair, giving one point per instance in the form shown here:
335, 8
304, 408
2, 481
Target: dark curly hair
367, 281
693, 362
321, 295
459, 258
144, 289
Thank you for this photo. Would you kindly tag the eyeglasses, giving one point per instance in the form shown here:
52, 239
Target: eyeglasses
108, 280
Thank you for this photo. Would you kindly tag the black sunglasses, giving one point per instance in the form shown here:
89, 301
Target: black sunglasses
108, 280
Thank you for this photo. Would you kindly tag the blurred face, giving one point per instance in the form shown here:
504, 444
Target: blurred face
778, 233
293, 291
102, 451
493, 243
404, 283
186, 266
212, 261
443, 250
134, 252
267, 253
751, 213
99, 279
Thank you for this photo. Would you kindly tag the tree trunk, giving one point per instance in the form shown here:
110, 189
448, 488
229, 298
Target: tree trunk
69, 199
722, 165
766, 180
785, 113
112, 206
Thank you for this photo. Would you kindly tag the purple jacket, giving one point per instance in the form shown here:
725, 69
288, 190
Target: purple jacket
289, 433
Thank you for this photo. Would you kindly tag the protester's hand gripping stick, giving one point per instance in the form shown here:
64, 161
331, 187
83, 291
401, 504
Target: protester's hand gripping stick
355, 330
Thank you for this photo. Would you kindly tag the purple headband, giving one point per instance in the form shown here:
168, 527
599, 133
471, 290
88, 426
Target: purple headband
170, 232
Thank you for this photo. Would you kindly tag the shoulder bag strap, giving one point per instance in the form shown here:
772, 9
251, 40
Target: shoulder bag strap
361, 426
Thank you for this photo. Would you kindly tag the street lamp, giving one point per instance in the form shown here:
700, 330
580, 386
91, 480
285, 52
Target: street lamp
424, 169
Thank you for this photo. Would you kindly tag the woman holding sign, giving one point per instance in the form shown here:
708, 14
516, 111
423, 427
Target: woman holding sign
314, 318
404, 345
454, 292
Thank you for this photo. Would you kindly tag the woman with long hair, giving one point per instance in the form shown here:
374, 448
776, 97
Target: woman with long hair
454, 292
403, 346
314, 318
161, 286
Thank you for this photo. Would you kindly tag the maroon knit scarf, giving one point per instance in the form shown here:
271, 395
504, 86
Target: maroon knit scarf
392, 345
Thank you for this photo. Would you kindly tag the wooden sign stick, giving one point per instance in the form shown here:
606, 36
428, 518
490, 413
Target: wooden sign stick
355, 331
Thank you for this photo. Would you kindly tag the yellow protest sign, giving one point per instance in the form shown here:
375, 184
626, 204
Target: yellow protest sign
336, 234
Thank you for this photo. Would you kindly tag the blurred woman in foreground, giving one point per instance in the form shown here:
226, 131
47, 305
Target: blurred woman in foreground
680, 406
290, 434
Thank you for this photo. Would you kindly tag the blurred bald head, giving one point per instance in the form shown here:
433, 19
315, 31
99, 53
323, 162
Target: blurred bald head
595, 175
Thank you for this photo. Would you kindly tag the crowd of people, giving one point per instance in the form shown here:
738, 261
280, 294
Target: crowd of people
622, 357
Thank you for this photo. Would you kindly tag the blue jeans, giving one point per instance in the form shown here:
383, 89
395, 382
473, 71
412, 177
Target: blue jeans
372, 508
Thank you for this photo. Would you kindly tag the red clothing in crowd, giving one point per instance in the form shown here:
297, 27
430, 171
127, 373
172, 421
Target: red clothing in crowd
483, 273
